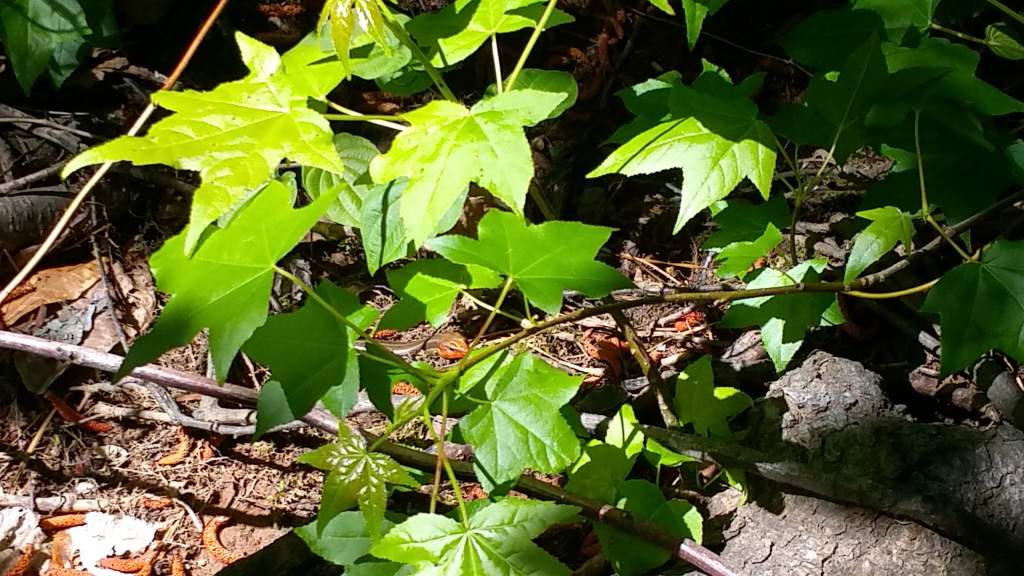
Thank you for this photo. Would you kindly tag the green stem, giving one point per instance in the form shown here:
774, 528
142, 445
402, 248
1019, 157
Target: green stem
499, 86
389, 355
798, 194
487, 306
403, 36
958, 34
925, 209
548, 10
720, 296
439, 387
494, 312
1007, 10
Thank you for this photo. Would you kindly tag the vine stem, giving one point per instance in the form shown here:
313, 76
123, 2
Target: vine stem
958, 34
685, 550
487, 306
350, 114
1007, 10
548, 10
494, 311
680, 297
403, 36
100, 172
925, 209
498, 84
388, 354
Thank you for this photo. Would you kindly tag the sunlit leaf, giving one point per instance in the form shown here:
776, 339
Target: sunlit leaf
706, 406
234, 136
310, 356
496, 541
428, 288
888, 227
448, 146
225, 285
355, 475
714, 135
543, 260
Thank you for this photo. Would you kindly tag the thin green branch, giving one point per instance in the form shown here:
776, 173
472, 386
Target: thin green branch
494, 311
403, 36
548, 10
925, 209
490, 308
1007, 10
350, 115
958, 34
498, 84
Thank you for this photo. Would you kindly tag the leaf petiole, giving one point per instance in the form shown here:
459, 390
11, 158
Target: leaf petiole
548, 10
925, 209
349, 114
403, 36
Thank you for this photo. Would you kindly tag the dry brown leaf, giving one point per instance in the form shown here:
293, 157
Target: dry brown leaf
48, 287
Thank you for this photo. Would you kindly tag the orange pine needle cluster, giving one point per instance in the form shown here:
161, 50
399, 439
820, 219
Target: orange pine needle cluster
56, 571
180, 451
212, 543
151, 503
21, 567
69, 414
139, 566
54, 523
178, 565
59, 548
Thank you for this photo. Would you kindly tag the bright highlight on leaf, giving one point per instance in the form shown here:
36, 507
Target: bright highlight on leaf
746, 233
348, 19
784, 319
355, 476
695, 12
518, 424
713, 134
225, 285
497, 541
456, 31
234, 136
428, 288
888, 227
706, 406
981, 307
542, 260
448, 146
310, 356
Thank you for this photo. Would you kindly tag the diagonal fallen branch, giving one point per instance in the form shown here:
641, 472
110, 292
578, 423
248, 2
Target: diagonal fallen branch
683, 549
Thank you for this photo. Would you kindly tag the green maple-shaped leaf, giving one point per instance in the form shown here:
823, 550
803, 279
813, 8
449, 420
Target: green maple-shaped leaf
648, 101
784, 319
706, 406
888, 227
34, 31
826, 39
343, 540
448, 146
428, 288
713, 134
349, 19
355, 475
746, 232
234, 136
598, 471
900, 17
225, 285
518, 425
310, 356
834, 112
543, 259
355, 153
959, 84
456, 31
695, 12
630, 555
554, 81
497, 541
981, 306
